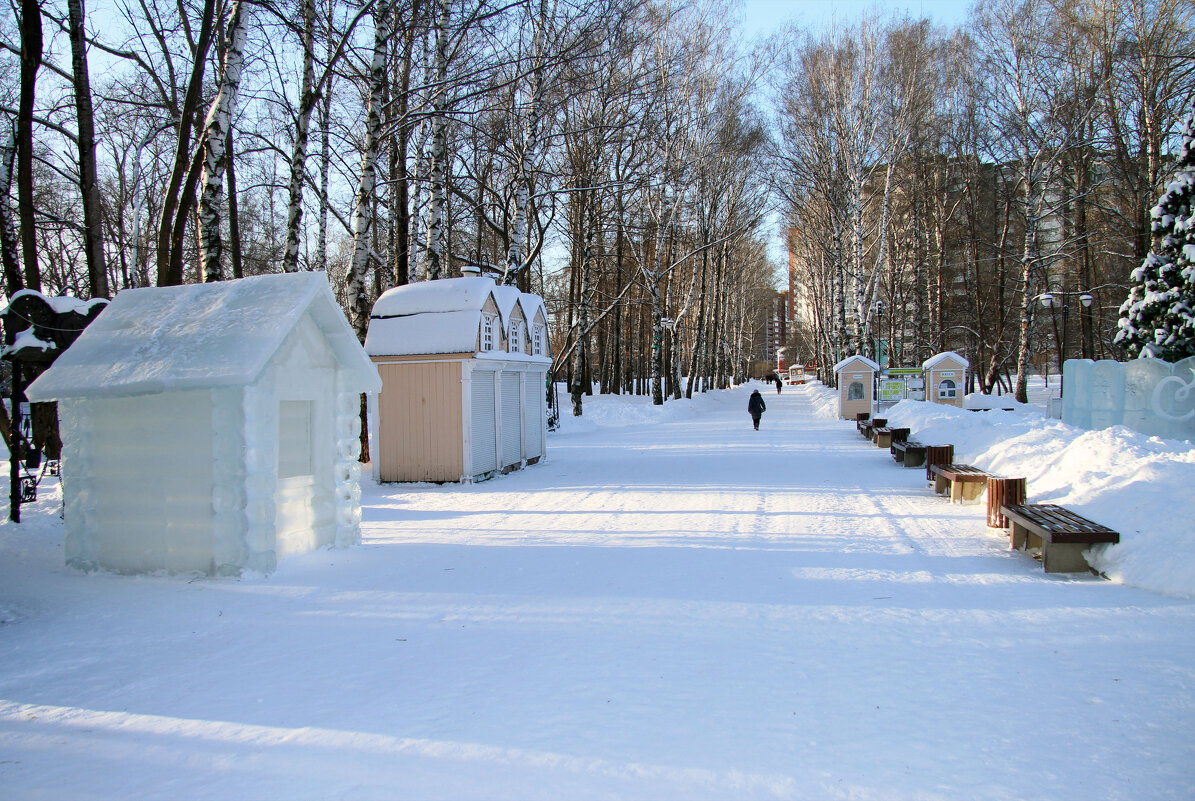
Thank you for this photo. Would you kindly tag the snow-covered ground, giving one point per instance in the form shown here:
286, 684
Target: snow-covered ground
671, 606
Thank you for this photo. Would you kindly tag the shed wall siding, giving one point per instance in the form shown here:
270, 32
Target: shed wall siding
484, 422
419, 422
512, 419
534, 423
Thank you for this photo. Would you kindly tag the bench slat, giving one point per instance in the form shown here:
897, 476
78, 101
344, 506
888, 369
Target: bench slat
960, 472
1059, 523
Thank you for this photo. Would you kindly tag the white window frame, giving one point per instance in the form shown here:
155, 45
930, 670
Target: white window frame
487, 332
537, 340
947, 389
515, 344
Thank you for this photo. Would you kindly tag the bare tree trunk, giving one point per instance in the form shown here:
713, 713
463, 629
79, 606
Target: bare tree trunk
358, 279
31, 54
1029, 282
530, 151
298, 156
8, 235
588, 219
234, 219
401, 176
169, 256
215, 138
434, 255
93, 220
321, 254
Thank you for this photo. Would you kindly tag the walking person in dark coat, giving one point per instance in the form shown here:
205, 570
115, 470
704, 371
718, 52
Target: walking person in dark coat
756, 407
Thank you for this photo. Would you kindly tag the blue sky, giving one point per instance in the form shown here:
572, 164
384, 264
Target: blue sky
762, 17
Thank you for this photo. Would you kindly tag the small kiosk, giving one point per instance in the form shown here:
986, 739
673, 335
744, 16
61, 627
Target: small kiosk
856, 386
944, 378
464, 367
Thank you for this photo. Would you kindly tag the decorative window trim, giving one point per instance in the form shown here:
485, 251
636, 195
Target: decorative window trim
947, 389
487, 332
537, 340
516, 337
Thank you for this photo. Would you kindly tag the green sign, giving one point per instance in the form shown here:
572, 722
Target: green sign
892, 390
904, 371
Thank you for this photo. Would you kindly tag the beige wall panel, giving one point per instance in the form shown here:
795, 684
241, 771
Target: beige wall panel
419, 422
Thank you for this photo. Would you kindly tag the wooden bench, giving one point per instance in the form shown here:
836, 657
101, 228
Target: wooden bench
1061, 534
910, 453
961, 482
884, 437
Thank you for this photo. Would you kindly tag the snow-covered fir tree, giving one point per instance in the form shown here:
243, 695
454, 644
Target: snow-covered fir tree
1158, 318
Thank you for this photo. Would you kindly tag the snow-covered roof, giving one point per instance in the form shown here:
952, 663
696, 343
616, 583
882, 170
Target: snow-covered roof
934, 361
431, 332
842, 364
444, 295
443, 316
508, 296
162, 339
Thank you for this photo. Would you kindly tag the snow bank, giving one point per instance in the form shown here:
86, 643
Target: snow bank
620, 411
1137, 485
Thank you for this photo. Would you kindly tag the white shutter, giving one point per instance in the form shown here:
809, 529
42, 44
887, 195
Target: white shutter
485, 453
512, 419
533, 415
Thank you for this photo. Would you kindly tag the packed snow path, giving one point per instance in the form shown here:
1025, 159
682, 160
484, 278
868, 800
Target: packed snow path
689, 609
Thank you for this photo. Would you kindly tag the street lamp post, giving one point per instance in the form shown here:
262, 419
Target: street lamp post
1047, 300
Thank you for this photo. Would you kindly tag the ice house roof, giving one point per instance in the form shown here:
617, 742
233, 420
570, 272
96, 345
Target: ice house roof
161, 339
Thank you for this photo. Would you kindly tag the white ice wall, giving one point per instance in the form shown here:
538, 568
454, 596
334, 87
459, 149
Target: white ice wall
348, 469
138, 486
1148, 395
296, 513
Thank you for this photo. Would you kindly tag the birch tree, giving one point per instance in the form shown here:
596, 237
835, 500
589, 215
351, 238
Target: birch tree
215, 145
360, 301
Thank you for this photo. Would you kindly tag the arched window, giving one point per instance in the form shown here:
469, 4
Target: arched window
855, 391
516, 337
947, 389
537, 341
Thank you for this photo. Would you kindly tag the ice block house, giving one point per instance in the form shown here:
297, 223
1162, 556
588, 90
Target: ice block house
211, 427
464, 367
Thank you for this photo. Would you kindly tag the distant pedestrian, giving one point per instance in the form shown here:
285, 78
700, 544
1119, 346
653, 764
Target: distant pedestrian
756, 407
779, 385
